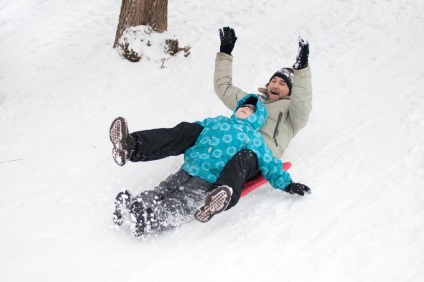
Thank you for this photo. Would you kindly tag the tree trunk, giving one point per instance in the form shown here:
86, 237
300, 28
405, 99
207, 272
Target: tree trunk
142, 12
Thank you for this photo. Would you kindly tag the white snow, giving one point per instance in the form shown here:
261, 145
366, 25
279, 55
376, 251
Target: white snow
362, 152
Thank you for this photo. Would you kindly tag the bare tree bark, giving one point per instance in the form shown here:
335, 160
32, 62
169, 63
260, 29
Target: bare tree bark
142, 12
155, 14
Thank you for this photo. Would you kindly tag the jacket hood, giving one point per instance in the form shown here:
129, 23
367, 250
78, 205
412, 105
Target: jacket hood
258, 118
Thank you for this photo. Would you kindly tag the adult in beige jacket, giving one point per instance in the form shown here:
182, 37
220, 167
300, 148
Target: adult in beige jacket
288, 112
287, 98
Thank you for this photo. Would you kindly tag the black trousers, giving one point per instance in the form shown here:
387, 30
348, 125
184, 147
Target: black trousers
155, 144
240, 169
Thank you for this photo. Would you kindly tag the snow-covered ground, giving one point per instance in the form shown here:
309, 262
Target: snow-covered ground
362, 153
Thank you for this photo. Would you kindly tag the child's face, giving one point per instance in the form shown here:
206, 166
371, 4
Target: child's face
243, 112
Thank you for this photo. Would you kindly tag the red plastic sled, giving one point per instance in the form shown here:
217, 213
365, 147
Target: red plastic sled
255, 183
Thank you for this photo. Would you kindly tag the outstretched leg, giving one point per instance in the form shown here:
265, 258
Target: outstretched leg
226, 190
179, 207
240, 169
153, 144
160, 143
170, 204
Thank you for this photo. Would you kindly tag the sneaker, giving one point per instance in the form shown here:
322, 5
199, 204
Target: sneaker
122, 202
138, 216
123, 142
216, 201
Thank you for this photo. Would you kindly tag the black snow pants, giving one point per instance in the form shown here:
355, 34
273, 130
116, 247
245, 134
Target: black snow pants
160, 143
155, 144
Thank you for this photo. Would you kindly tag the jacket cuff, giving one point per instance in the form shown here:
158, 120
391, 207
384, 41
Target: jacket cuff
223, 56
303, 72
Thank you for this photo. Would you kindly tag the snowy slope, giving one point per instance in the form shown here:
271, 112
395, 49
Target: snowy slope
362, 153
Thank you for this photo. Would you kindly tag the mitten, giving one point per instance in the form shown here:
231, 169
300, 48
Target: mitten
228, 39
297, 188
302, 56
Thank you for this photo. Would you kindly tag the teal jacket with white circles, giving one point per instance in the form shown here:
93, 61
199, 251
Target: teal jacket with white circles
223, 137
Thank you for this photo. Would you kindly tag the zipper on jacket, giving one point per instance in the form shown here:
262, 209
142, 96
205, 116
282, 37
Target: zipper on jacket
276, 129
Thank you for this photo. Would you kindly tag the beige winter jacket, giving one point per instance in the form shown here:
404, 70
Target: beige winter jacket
285, 117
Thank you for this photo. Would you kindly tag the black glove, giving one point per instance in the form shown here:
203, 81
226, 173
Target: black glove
302, 56
297, 188
228, 39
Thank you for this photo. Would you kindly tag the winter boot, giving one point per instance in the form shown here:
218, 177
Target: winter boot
216, 201
139, 217
152, 221
122, 202
123, 142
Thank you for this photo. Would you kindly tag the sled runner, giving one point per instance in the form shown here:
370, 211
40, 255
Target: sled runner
256, 183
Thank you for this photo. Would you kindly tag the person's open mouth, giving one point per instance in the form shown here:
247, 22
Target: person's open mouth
274, 93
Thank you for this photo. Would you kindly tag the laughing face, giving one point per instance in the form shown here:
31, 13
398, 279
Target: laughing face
277, 89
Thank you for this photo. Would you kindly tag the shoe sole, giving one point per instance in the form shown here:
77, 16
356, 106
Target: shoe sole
118, 133
138, 215
121, 208
215, 202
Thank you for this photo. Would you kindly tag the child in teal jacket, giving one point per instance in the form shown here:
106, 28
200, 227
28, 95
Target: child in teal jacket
223, 137
177, 199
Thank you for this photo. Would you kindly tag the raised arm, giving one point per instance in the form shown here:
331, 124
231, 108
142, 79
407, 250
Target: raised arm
223, 82
301, 96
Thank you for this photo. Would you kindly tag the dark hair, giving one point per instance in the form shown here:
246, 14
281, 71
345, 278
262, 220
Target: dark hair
250, 102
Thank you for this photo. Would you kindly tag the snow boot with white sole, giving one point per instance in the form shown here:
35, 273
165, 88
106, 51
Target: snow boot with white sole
139, 218
122, 203
216, 201
123, 142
